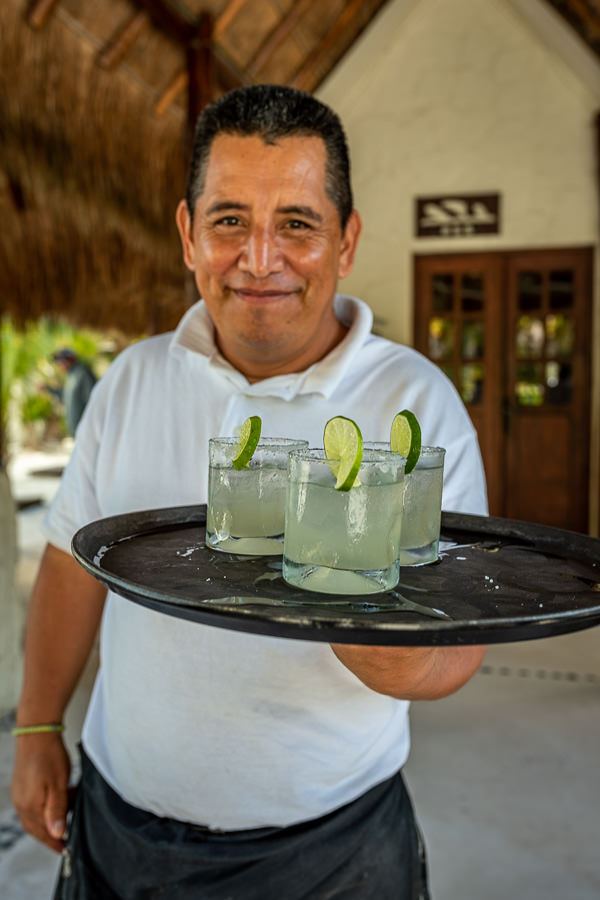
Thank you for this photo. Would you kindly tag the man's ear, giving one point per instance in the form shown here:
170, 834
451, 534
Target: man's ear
184, 227
349, 244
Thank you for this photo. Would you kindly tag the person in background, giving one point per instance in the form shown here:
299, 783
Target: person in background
78, 384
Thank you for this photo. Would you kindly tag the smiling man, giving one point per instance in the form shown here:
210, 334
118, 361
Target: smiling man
267, 247
218, 764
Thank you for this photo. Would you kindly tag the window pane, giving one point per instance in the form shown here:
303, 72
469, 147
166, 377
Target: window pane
471, 292
442, 288
560, 334
558, 382
562, 287
472, 340
530, 337
530, 290
471, 383
529, 388
441, 338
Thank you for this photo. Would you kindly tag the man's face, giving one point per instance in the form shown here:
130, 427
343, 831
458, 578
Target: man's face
267, 249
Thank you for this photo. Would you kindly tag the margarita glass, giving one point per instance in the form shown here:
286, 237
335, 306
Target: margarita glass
246, 507
343, 542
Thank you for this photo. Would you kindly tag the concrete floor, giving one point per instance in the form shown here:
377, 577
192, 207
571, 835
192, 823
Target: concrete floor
505, 775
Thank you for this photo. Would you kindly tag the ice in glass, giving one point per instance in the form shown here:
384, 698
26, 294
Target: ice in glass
343, 542
246, 507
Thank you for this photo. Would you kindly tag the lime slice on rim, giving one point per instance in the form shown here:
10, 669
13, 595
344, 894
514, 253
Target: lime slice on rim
405, 438
343, 443
249, 438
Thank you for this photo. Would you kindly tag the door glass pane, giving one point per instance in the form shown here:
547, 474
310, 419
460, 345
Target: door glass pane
530, 290
529, 387
471, 292
560, 333
558, 382
442, 288
441, 338
530, 337
562, 287
472, 340
471, 383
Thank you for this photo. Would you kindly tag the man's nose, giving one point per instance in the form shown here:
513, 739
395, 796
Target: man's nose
261, 254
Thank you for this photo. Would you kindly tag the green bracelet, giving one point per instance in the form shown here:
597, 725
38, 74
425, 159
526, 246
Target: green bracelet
38, 729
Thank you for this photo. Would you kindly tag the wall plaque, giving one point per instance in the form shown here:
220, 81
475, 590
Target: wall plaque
457, 215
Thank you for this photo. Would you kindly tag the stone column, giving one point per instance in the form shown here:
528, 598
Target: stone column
11, 650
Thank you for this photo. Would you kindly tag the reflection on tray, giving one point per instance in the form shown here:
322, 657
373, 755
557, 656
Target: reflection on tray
392, 601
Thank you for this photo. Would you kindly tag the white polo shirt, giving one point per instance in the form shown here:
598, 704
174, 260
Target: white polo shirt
217, 727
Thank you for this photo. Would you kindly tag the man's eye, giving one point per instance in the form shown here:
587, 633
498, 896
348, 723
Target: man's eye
297, 224
228, 220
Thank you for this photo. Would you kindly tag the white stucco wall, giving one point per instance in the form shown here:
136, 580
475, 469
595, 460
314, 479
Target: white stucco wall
467, 96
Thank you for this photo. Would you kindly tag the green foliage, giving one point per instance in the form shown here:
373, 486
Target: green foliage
36, 407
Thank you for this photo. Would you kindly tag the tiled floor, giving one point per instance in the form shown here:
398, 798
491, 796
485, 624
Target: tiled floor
505, 774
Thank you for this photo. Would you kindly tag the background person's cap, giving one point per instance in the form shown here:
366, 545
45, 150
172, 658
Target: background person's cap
64, 354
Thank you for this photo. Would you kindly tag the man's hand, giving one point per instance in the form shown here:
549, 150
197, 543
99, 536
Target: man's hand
64, 613
411, 673
39, 787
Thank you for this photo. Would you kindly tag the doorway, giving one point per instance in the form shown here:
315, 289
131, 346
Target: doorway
512, 331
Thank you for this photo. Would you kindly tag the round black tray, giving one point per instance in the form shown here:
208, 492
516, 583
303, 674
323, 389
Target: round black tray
496, 580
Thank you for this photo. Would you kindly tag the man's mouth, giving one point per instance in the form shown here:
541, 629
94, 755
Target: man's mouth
250, 295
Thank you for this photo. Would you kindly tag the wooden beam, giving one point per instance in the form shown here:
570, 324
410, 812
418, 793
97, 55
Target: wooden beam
178, 27
579, 10
123, 40
226, 77
200, 71
277, 36
303, 78
177, 86
227, 17
229, 74
39, 12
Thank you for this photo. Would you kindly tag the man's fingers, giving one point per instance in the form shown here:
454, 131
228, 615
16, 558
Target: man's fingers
55, 813
37, 829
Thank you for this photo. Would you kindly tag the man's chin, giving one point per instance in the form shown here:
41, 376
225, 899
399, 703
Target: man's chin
259, 344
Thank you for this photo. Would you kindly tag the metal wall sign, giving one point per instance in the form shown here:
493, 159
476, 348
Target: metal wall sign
457, 215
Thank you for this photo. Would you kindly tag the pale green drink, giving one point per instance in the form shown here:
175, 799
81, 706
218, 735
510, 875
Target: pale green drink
343, 542
246, 508
422, 509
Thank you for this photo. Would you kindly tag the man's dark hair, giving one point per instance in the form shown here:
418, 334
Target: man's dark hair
273, 112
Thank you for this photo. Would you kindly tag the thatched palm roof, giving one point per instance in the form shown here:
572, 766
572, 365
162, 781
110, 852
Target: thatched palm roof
95, 103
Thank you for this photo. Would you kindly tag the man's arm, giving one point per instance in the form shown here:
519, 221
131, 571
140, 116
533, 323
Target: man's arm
64, 613
411, 673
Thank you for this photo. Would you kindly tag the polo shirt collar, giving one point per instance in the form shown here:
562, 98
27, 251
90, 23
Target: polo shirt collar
196, 334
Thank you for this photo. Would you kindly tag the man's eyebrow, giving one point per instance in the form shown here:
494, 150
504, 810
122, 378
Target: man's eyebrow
222, 205
299, 210
306, 211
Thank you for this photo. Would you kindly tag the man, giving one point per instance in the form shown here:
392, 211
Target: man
215, 763
79, 381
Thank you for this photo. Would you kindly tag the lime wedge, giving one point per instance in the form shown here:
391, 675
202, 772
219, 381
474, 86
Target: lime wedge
343, 443
249, 438
405, 438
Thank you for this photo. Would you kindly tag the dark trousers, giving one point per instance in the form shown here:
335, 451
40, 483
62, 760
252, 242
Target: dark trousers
369, 849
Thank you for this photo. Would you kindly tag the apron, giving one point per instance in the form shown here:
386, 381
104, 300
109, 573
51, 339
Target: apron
369, 849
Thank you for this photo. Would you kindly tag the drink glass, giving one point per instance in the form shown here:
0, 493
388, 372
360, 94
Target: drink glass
422, 509
246, 508
343, 542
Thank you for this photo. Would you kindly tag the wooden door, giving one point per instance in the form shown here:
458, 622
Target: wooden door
512, 331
